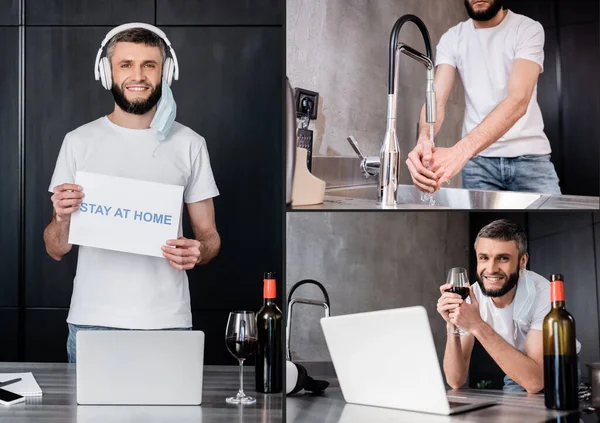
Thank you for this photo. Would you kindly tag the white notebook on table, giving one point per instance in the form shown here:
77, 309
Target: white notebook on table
27, 387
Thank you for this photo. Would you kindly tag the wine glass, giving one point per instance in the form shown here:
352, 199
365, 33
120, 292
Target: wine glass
459, 279
241, 340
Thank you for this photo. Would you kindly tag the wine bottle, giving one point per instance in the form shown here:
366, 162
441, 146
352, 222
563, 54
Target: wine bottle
269, 353
560, 353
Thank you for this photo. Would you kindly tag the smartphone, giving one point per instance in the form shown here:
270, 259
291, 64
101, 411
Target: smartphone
9, 398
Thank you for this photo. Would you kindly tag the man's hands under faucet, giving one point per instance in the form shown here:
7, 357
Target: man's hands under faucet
431, 167
419, 162
447, 162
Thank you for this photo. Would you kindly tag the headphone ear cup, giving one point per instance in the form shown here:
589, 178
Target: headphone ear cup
302, 375
101, 72
168, 70
105, 73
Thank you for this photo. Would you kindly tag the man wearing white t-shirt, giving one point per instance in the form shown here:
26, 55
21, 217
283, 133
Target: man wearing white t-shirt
499, 56
506, 312
116, 290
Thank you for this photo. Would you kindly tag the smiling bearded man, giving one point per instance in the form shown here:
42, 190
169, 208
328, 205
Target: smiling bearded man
139, 139
506, 311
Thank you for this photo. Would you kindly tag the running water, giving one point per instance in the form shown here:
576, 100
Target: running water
427, 197
431, 132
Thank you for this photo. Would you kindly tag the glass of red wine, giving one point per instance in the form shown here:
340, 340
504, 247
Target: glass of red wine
459, 279
241, 340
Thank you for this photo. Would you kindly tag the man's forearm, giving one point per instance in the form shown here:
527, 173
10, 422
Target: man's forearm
56, 238
519, 367
210, 243
455, 366
494, 126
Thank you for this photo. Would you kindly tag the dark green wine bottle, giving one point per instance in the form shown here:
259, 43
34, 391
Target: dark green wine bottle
560, 352
269, 352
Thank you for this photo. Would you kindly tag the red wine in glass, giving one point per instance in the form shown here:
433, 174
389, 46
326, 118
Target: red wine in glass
241, 338
459, 281
241, 349
460, 290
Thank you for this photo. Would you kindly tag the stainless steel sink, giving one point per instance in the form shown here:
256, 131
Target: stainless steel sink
349, 190
454, 198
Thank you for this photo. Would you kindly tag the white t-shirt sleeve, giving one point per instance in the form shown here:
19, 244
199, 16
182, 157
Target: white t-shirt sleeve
201, 183
445, 50
530, 44
65, 168
541, 307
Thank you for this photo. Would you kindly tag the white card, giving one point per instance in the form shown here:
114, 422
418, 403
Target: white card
126, 215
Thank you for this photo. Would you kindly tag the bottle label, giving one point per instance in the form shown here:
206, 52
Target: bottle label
557, 291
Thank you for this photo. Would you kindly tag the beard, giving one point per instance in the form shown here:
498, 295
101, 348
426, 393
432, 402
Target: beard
136, 107
484, 15
511, 282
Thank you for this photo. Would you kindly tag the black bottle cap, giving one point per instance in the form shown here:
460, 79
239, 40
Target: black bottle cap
269, 275
557, 277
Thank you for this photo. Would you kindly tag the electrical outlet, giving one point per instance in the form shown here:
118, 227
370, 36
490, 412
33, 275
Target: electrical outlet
303, 97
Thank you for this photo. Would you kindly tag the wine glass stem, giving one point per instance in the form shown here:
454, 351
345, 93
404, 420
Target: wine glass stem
241, 393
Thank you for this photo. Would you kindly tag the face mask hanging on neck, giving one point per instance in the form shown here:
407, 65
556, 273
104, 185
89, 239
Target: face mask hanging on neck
526, 299
166, 111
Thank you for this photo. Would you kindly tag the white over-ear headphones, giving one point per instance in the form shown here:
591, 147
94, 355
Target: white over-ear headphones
102, 70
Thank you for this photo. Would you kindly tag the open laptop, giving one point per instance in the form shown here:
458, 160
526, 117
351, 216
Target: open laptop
140, 367
388, 359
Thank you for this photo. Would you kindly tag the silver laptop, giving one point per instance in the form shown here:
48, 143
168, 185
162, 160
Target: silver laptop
140, 367
388, 359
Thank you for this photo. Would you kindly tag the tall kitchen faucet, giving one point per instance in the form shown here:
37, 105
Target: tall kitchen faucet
388, 165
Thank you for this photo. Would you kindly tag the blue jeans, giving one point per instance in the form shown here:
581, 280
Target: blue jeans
530, 173
512, 386
73, 329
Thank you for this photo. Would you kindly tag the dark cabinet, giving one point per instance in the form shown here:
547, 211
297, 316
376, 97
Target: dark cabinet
89, 12
569, 89
597, 251
580, 61
548, 99
9, 166
9, 334
216, 12
46, 334
543, 11
9, 12
229, 92
579, 11
57, 101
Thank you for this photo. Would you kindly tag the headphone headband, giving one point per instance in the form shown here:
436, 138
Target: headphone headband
132, 25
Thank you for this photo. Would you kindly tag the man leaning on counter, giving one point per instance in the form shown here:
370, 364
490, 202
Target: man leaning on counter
506, 311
